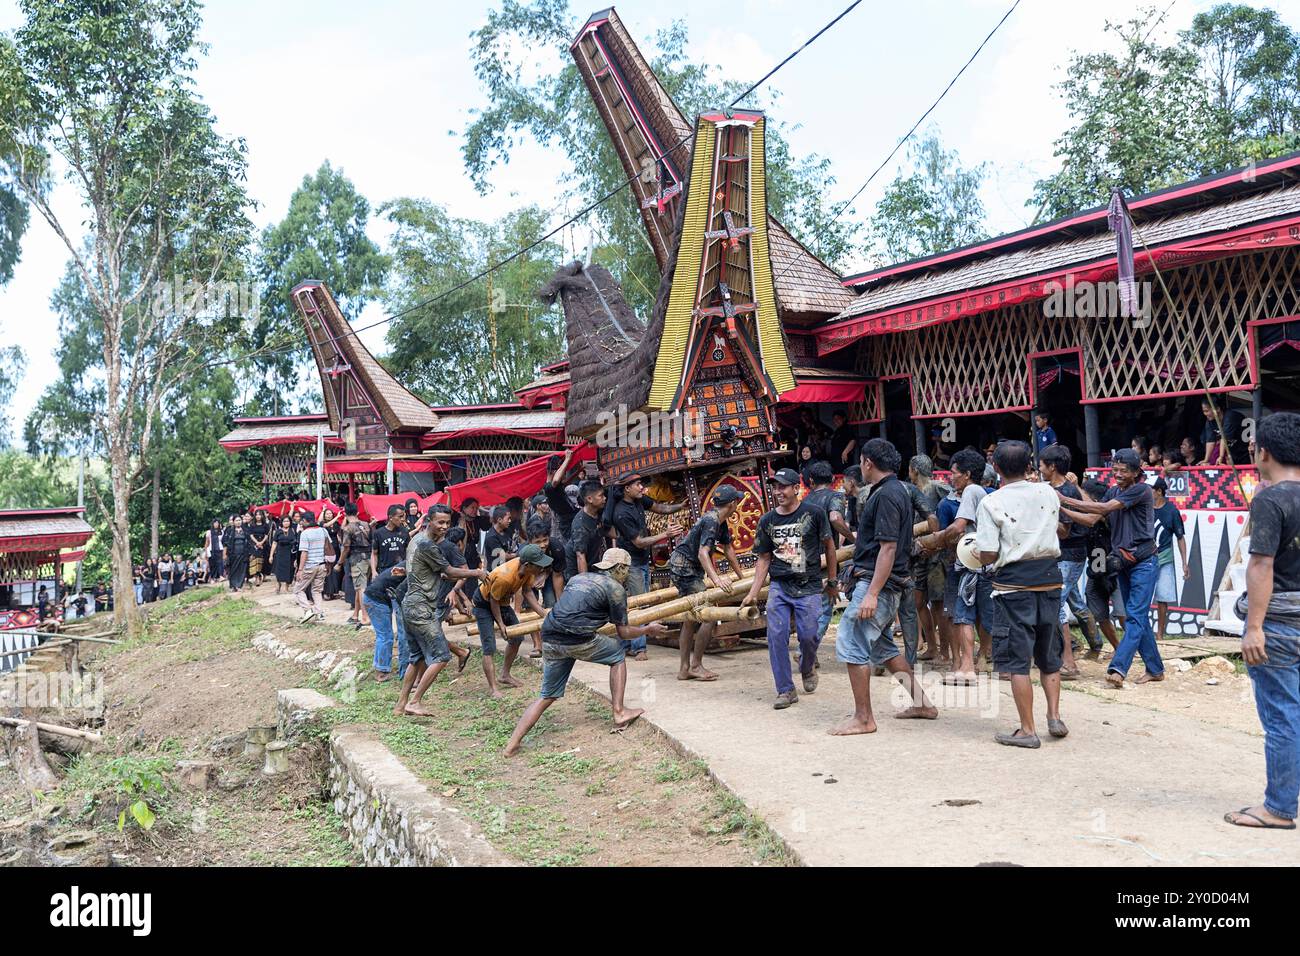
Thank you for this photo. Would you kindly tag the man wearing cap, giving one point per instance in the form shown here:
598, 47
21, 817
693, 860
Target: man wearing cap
423, 610
494, 608
1017, 538
881, 563
627, 518
569, 633
790, 542
1129, 508
690, 563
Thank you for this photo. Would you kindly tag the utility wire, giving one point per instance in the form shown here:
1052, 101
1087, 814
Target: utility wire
585, 211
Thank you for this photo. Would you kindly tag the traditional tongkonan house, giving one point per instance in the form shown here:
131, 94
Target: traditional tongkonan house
35, 544
376, 436
965, 344
727, 348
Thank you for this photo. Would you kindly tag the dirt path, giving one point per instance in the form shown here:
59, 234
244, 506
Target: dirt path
1143, 779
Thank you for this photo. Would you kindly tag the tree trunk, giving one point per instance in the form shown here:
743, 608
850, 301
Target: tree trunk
124, 610
153, 515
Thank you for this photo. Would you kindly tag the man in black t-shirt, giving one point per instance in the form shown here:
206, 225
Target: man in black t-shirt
690, 563
790, 543
629, 524
881, 579
1270, 645
570, 633
388, 542
587, 532
843, 443
836, 506
501, 543
1129, 506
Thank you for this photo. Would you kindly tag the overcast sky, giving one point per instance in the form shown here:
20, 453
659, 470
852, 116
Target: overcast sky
384, 89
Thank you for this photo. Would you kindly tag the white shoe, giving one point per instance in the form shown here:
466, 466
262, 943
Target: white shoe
307, 618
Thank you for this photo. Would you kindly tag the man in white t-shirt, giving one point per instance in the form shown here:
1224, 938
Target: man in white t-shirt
312, 570
1017, 535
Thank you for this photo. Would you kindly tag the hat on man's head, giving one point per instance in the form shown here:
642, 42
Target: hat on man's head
628, 479
613, 558
532, 554
786, 476
727, 494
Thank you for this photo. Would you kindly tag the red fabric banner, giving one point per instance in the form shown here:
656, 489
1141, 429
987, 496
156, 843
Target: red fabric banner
521, 480
380, 466
825, 391
279, 509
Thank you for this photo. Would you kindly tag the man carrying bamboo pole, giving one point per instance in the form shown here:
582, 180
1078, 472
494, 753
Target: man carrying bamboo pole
881, 566
690, 563
423, 610
494, 605
627, 518
789, 541
589, 602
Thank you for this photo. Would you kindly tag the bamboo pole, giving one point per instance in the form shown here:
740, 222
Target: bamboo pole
53, 729
717, 615
635, 601
33, 649
676, 606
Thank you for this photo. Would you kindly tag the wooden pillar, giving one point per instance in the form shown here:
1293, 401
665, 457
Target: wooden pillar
1092, 435
1257, 405
918, 432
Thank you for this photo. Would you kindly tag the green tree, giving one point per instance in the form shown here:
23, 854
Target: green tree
104, 92
935, 206
322, 236
1152, 114
12, 363
481, 342
521, 58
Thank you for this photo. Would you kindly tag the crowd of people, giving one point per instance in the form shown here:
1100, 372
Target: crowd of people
977, 577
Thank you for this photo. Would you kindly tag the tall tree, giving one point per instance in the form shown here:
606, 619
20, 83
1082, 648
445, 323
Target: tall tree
12, 363
521, 58
101, 95
935, 206
1154, 114
322, 236
481, 342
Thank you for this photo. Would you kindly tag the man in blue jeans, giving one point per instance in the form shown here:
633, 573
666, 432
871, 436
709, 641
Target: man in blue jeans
1271, 643
790, 542
379, 598
1129, 507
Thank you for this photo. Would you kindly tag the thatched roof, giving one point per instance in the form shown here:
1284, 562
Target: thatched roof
611, 351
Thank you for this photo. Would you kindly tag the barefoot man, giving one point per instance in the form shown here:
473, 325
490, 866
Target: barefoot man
589, 602
690, 563
494, 608
881, 561
429, 578
1271, 644
1017, 536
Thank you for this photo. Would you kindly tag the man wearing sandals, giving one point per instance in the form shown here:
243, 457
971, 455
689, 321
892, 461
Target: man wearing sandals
569, 634
1016, 537
882, 555
1271, 643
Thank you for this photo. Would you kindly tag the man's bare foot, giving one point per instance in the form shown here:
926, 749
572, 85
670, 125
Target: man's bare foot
382, 677
495, 694
417, 710
853, 726
509, 681
1149, 678
399, 710
1115, 679
511, 750
684, 674
918, 713
700, 673
627, 717
643, 656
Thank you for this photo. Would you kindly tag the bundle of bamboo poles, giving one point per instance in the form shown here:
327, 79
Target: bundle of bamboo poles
635, 601
711, 604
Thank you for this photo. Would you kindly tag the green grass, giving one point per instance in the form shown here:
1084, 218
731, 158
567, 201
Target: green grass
731, 816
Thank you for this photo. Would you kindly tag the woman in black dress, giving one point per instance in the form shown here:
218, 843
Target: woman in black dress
149, 586
333, 579
414, 520
284, 548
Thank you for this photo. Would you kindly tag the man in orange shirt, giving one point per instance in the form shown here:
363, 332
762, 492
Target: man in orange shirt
493, 608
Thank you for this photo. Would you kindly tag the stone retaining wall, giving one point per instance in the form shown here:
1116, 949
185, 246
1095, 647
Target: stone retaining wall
390, 816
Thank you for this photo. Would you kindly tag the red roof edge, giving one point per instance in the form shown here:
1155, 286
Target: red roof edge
1177, 191
268, 419
42, 512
